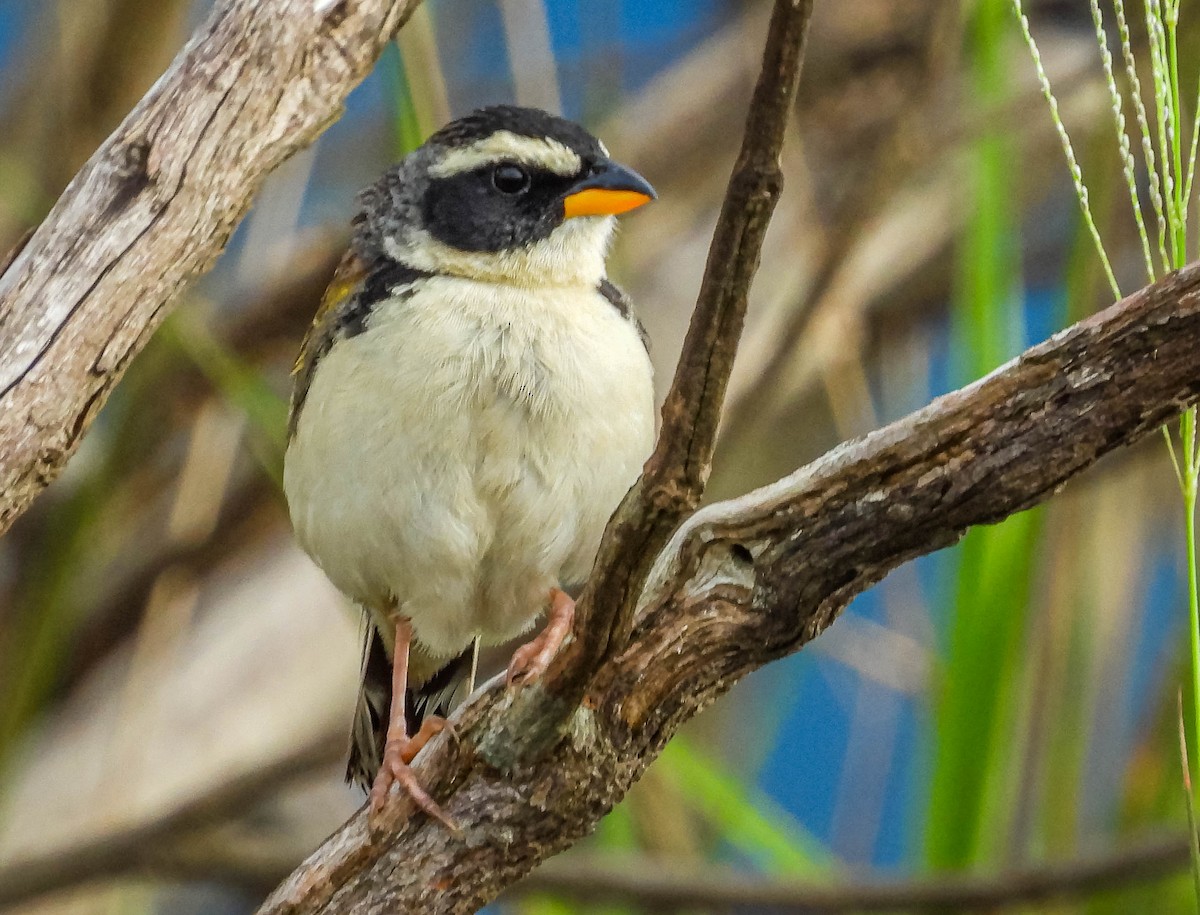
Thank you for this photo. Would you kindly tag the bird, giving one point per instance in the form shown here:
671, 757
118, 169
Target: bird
470, 403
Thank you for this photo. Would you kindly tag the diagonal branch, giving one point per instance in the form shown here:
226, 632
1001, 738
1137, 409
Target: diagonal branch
747, 581
675, 475
154, 207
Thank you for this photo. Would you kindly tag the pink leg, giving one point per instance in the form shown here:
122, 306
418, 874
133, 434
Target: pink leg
531, 660
399, 749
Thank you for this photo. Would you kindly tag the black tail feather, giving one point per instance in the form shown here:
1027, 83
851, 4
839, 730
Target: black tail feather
436, 696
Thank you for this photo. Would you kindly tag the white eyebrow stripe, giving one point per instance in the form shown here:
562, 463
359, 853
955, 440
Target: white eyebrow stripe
503, 145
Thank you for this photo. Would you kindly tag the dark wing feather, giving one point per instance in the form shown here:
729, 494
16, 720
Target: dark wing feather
369, 728
621, 302
356, 288
344, 289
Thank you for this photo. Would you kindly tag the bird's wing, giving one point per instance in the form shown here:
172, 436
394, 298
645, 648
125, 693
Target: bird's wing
344, 290
624, 306
354, 290
368, 731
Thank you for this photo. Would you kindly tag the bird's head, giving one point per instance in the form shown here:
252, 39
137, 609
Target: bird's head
505, 194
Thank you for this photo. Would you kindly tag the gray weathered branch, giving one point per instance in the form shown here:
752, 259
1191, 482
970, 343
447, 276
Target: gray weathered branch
154, 207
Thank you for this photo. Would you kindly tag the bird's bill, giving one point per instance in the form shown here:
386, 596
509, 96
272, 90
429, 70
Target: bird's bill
609, 190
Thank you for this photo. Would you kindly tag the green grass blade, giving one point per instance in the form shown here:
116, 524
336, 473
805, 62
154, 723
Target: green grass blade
406, 128
975, 759
1189, 806
979, 691
1124, 145
746, 819
987, 91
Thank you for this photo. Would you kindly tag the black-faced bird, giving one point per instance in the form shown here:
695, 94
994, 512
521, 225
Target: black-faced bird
471, 402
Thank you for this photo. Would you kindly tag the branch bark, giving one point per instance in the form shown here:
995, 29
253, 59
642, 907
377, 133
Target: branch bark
747, 581
154, 207
663, 632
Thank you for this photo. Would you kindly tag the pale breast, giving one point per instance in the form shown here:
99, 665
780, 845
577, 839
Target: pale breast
464, 453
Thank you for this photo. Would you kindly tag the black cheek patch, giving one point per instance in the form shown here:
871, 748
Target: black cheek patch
467, 213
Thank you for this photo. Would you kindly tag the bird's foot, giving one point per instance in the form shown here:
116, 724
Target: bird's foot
431, 726
395, 769
530, 661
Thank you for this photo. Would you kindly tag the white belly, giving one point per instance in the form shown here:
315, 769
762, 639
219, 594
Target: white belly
463, 455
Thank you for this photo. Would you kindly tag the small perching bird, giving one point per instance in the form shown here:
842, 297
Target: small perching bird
473, 399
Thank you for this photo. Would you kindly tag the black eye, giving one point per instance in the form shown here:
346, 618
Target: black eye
510, 179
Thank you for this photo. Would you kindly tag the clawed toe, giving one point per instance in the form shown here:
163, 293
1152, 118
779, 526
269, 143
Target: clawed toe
528, 663
395, 770
400, 773
430, 728
531, 660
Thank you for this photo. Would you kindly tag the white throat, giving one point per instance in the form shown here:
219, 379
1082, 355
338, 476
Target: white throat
573, 255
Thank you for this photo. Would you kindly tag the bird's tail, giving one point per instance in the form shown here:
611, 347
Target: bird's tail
438, 695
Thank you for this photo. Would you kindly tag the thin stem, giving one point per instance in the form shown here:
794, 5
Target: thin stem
1166, 431
1081, 191
1158, 69
1179, 226
1191, 476
1147, 138
1187, 194
1128, 165
1188, 803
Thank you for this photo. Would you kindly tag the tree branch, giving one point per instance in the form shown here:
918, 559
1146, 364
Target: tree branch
747, 581
154, 207
651, 884
744, 582
675, 475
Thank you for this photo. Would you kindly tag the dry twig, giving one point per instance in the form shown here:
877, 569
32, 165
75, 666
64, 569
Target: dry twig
658, 886
676, 473
137, 847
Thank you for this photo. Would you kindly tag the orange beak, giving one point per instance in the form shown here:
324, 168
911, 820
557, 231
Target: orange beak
608, 190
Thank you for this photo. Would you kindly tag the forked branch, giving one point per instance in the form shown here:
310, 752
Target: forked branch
675, 476
747, 581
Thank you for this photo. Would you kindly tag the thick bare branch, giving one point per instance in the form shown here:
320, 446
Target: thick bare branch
154, 207
747, 581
